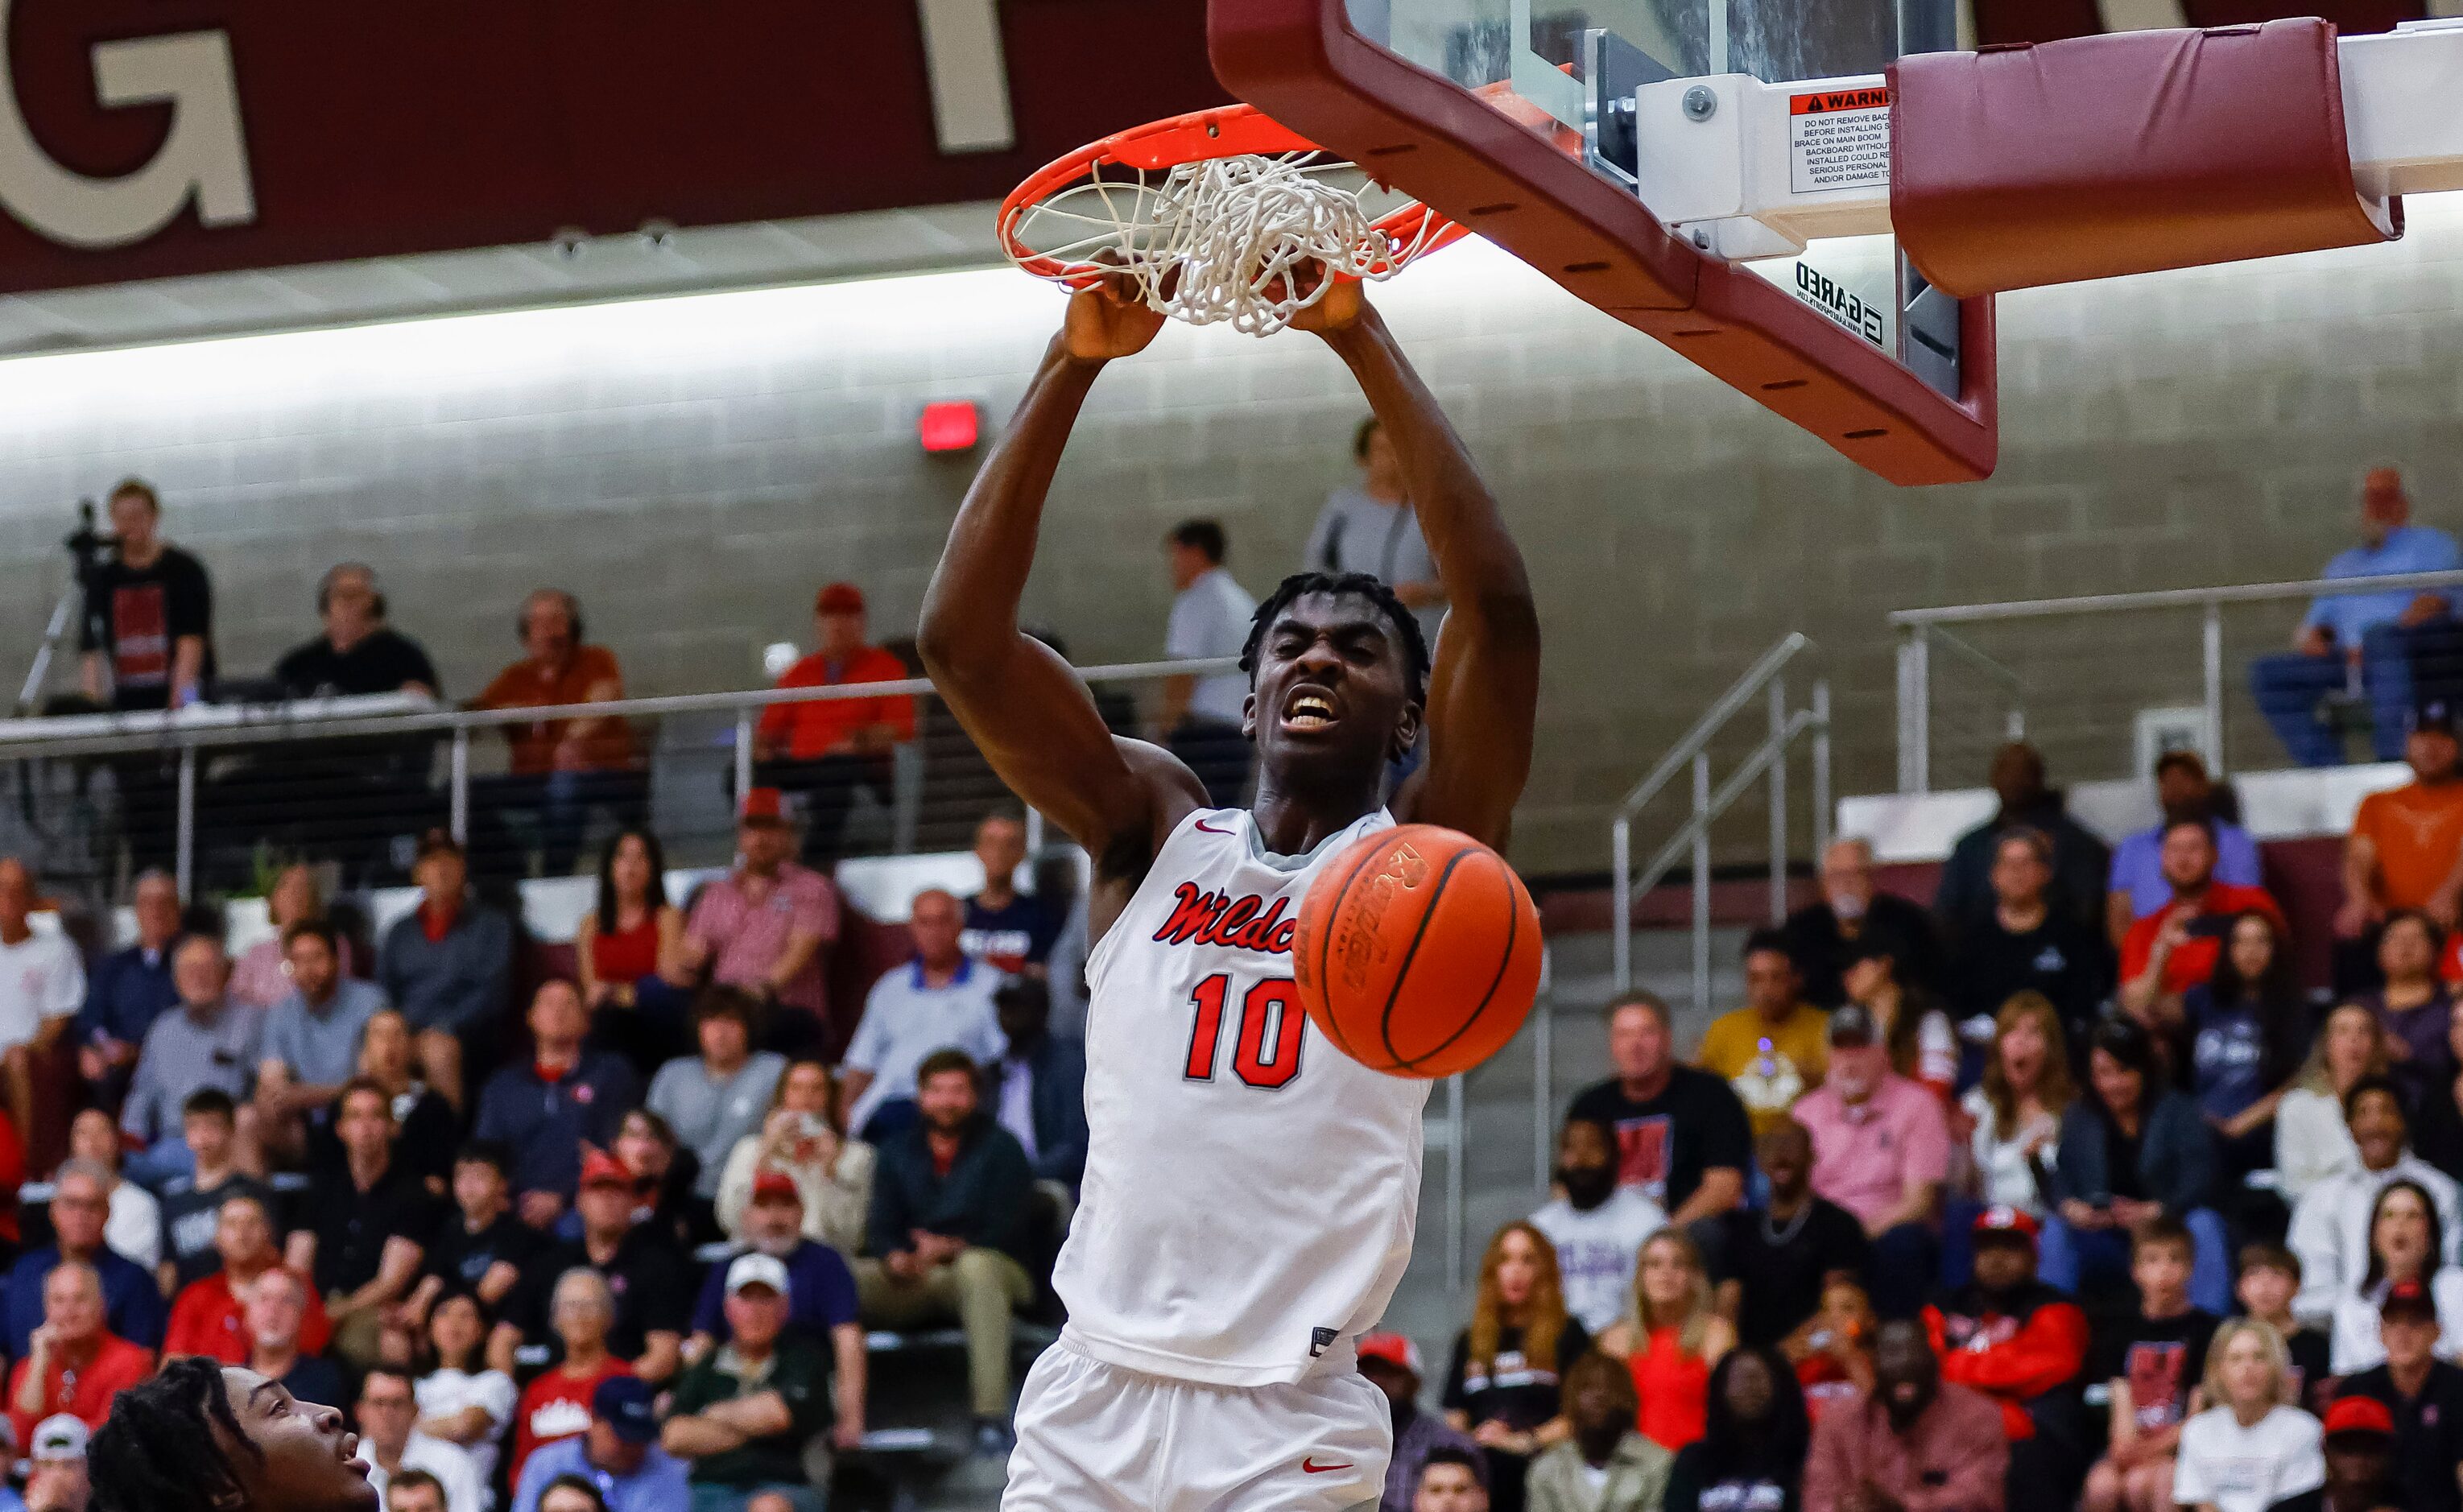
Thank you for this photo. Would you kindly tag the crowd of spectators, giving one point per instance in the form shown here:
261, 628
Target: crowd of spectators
2059, 1192
626, 1232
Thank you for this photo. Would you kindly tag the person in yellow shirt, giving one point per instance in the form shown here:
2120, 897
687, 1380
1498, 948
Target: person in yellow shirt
1774, 1049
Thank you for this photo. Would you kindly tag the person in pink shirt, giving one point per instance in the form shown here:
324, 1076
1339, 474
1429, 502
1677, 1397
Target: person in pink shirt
764, 926
1880, 1150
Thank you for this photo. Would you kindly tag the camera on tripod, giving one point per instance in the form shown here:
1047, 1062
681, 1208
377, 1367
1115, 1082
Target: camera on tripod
89, 553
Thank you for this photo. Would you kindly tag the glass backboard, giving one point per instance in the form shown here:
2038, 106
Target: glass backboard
1564, 56
1843, 337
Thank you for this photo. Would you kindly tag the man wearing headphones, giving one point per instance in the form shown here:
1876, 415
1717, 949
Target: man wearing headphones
359, 652
347, 798
562, 768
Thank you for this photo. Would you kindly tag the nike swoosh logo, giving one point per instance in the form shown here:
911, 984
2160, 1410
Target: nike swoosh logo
1310, 1466
1212, 830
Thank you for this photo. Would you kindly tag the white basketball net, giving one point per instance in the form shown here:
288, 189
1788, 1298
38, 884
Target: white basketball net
1228, 240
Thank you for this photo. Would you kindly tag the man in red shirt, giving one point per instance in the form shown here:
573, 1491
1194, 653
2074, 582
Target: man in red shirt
2175, 947
77, 1366
828, 748
209, 1316
561, 768
556, 1404
2022, 1344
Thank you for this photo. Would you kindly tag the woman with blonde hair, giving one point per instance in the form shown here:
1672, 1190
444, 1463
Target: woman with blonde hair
2312, 1140
801, 1136
1502, 1388
1670, 1339
2251, 1448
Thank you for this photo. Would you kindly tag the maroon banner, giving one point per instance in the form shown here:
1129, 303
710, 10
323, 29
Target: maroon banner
148, 138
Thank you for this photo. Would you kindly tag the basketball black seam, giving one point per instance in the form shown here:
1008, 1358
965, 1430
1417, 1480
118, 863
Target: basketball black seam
1333, 912
1385, 1020
1513, 927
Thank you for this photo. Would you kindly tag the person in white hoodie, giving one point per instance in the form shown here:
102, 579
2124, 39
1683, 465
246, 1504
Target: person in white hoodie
2330, 1224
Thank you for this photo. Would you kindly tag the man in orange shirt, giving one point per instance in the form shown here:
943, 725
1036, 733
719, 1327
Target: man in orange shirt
2406, 849
828, 748
561, 768
76, 1364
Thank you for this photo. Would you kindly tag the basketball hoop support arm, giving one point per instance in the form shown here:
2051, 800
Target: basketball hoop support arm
1720, 158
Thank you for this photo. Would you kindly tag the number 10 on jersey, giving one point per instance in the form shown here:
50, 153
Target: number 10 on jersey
1266, 1053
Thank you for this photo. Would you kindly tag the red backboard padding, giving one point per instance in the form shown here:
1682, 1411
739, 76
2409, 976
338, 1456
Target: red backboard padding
1300, 62
2102, 155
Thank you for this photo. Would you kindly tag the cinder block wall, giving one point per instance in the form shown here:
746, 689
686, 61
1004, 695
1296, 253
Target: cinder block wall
694, 468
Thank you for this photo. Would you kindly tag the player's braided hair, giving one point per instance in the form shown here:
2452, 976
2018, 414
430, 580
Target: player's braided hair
158, 1450
1345, 585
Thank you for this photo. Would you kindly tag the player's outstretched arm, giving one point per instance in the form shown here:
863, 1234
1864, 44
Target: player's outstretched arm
1023, 706
1484, 686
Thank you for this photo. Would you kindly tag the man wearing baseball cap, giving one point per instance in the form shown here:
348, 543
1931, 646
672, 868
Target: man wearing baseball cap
745, 1414
1391, 1363
820, 1288
619, 1454
763, 928
1880, 1150
648, 1280
829, 748
58, 1480
2020, 1343
2362, 1453
2422, 1396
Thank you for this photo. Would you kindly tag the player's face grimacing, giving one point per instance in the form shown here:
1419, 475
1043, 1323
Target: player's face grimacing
1331, 688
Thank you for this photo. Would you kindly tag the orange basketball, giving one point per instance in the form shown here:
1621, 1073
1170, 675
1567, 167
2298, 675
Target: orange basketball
1417, 951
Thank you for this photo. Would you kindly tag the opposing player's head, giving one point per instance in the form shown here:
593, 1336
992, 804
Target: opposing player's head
202, 1438
1338, 677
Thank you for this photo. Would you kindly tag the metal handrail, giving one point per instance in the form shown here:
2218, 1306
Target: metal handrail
1919, 629
1769, 758
268, 724
2174, 598
154, 730
1716, 719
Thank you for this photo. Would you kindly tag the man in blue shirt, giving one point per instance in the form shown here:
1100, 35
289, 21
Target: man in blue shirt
133, 1306
2368, 635
820, 1288
128, 990
567, 1095
619, 1454
2183, 791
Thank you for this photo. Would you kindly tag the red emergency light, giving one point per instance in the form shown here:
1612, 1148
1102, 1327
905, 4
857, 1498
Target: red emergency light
949, 425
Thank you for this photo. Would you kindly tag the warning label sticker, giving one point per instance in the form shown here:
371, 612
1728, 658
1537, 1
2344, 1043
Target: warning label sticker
1838, 139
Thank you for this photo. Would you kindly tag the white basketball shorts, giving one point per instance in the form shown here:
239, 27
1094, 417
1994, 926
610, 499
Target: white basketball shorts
1094, 1437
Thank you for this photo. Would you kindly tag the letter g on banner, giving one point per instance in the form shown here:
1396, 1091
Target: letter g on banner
204, 155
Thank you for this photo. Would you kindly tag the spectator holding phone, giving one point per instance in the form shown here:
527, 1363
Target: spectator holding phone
2170, 950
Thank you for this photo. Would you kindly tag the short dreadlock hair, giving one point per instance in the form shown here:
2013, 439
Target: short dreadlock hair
158, 1450
1345, 586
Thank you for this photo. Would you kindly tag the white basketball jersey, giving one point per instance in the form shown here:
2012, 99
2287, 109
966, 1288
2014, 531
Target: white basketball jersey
1250, 1188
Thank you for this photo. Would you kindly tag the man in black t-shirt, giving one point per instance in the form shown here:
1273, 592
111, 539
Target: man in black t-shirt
359, 652
2423, 1393
192, 1202
368, 1223
651, 1283
1823, 936
2026, 945
1012, 930
1681, 1132
479, 1246
146, 642
1774, 1262
341, 797
2149, 1364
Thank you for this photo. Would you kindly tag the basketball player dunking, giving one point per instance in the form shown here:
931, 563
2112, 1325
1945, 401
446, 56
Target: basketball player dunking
1250, 1190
